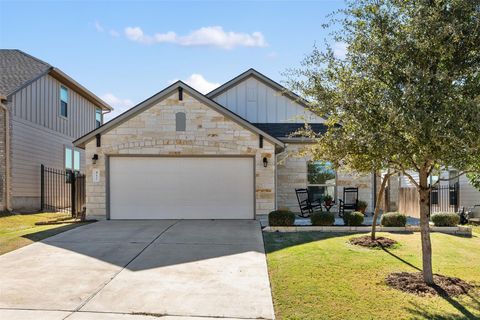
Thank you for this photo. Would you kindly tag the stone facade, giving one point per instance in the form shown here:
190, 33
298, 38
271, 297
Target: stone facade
153, 132
292, 174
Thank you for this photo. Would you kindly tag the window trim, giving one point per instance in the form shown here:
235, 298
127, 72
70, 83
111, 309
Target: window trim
67, 102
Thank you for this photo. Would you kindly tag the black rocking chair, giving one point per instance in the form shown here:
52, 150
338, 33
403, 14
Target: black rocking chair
307, 207
349, 202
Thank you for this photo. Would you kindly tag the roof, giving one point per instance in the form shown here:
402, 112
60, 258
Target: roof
262, 78
18, 69
142, 106
285, 130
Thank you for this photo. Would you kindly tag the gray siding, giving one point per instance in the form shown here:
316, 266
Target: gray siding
258, 103
39, 135
39, 103
469, 196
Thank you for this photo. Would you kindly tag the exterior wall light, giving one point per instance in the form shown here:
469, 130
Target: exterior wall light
95, 158
265, 162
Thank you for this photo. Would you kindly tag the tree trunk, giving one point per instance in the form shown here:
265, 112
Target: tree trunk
379, 203
425, 226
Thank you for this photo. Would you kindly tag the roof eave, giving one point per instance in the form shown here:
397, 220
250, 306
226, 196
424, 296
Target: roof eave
262, 78
63, 77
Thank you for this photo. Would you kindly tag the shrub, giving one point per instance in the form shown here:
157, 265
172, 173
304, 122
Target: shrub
445, 219
322, 218
281, 218
353, 218
394, 219
328, 198
362, 205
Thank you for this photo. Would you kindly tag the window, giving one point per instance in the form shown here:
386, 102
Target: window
72, 159
180, 121
98, 117
63, 101
321, 179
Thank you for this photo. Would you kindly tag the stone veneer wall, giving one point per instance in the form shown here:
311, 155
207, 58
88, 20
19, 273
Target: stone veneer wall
152, 132
292, 174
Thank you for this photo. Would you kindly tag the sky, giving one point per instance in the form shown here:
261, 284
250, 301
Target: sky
126, 51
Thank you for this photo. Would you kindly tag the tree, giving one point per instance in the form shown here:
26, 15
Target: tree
405, 96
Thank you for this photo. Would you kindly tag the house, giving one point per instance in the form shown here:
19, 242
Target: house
42, 111
225, 155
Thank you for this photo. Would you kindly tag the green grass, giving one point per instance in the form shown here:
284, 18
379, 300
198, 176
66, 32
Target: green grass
321, 276
20, 230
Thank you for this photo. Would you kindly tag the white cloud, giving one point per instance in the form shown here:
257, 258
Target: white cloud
340, 50
199, 83
98, 26
213, 36
119, 105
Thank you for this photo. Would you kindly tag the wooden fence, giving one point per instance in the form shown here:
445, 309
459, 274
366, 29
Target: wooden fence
408, 202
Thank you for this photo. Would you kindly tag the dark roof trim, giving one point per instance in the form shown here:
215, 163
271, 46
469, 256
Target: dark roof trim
142, 106
262, 78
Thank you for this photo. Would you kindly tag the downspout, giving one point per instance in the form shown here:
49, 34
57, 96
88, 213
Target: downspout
7, 153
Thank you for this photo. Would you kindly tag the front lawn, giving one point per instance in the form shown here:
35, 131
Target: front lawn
19, 230
321, 276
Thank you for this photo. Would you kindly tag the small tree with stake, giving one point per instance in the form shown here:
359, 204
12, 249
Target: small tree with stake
406, 96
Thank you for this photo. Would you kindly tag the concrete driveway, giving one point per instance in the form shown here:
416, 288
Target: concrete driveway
140, 270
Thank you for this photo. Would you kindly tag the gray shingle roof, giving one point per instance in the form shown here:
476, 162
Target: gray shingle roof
283, 130
17, 69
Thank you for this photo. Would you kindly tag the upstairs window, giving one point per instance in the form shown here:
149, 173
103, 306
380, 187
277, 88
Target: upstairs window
321, 179
98, 117
63, 101
180, 121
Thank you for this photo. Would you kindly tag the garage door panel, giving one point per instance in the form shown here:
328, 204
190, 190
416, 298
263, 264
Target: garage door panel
181, 188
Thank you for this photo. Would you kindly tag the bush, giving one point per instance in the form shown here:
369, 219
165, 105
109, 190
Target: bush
362, 205
281, 218
394, 219
445, 219
353, 218
322, 218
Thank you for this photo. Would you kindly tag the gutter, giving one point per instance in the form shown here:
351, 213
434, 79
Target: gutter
7, 206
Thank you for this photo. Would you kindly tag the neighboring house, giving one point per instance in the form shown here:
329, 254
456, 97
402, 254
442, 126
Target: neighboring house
451, 193
43, 111
224, 155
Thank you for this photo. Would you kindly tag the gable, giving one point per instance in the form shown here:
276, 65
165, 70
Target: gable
170, 97
259, 101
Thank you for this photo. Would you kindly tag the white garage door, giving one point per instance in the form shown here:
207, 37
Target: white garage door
181, 188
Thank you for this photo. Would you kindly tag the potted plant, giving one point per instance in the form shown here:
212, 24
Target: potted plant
362, 206
328, 200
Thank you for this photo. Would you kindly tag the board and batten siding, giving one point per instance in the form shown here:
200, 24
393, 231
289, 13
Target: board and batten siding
39, 135
39, 103
259, 103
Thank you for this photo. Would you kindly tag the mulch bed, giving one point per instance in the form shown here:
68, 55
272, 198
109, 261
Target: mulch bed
413, 283
379, 242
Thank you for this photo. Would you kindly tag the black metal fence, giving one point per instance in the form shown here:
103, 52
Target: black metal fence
444, 198
62, 190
